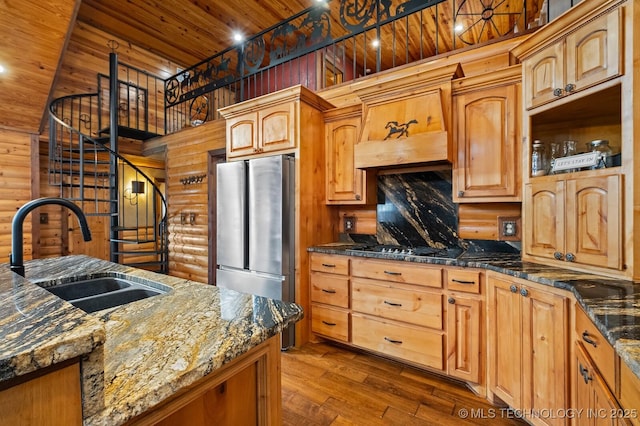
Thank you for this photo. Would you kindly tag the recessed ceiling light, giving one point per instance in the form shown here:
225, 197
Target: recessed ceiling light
238, 36
2, 69
458, 28
375, 42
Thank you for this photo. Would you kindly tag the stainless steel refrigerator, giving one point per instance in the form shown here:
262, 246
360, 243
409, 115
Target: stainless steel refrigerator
255, 229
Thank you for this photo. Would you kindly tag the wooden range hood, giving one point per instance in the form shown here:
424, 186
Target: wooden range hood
406, 117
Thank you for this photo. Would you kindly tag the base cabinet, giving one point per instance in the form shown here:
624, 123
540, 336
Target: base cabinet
528, 334
53, 398
596, 404
246, 391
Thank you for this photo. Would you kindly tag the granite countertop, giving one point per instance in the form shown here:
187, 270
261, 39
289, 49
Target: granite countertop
612, 304
136, 355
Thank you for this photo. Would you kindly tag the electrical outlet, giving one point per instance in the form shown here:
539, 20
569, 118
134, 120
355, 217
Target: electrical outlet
508, 228
349, 223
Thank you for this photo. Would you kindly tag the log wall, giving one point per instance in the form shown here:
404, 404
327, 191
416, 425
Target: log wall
16, 186
187, 154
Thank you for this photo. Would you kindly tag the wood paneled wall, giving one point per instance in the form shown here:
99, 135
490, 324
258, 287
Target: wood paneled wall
17, 152
187, 154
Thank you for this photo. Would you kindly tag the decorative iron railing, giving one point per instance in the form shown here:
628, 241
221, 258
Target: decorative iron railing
338, 41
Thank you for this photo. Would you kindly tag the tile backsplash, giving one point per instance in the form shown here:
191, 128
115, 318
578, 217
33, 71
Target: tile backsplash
417, 209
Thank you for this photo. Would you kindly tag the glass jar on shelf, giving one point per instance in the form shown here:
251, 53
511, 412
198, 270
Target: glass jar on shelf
539, 159
601, 146
556, 152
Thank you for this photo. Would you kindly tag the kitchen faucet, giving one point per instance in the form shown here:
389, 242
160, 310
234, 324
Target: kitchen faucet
16, 256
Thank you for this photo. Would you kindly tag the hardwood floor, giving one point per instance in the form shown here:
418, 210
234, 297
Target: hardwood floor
324, 384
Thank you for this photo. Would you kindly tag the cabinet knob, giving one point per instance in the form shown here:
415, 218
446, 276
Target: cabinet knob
524, 292
358, 197
460, 193
557, 92
571, 257
558, 256
513, 288
451, 300
584, 372
569, 88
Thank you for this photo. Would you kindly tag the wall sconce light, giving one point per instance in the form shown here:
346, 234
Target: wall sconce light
131, 194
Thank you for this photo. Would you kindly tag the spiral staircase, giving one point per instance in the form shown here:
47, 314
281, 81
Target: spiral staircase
85, 164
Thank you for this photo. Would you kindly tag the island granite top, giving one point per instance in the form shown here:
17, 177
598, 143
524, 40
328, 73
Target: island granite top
612, 304
136, 355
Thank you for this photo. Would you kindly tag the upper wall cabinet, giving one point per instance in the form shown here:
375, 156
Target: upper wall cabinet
345, 183
487, 137
589, 55
406, 117
269, 124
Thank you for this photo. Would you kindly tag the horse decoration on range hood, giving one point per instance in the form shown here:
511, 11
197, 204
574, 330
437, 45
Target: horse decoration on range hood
420, 99
400, 129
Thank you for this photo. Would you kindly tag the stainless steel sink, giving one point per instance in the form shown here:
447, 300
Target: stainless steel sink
98, 293
89, 287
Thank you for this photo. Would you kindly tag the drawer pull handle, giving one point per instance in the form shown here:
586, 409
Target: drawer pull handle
513, 288
392, 273
330, 324
328, 265
589, 340
392, 303
451, 301
397, 342
329, 291
462, 281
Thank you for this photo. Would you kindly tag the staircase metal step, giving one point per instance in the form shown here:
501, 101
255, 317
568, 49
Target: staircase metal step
125, 241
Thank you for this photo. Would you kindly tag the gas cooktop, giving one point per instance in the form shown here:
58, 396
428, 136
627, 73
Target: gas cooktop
403, 251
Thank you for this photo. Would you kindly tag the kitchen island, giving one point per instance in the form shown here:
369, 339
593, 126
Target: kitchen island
136, 356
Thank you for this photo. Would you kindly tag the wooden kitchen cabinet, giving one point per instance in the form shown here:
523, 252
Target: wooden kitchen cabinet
487, 135
594, 375
575, 219
398, 310
345, 183
592, 395
245, 391
464, 337
588, 56
51, 397
268, 130
527, 344
465, 296
330, 296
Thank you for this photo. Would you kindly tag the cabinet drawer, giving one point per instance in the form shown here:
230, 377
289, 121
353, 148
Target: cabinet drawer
330, 289
330, 263
330, 322
399, 272
384, 300
598, 348
467, 281
411, 343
